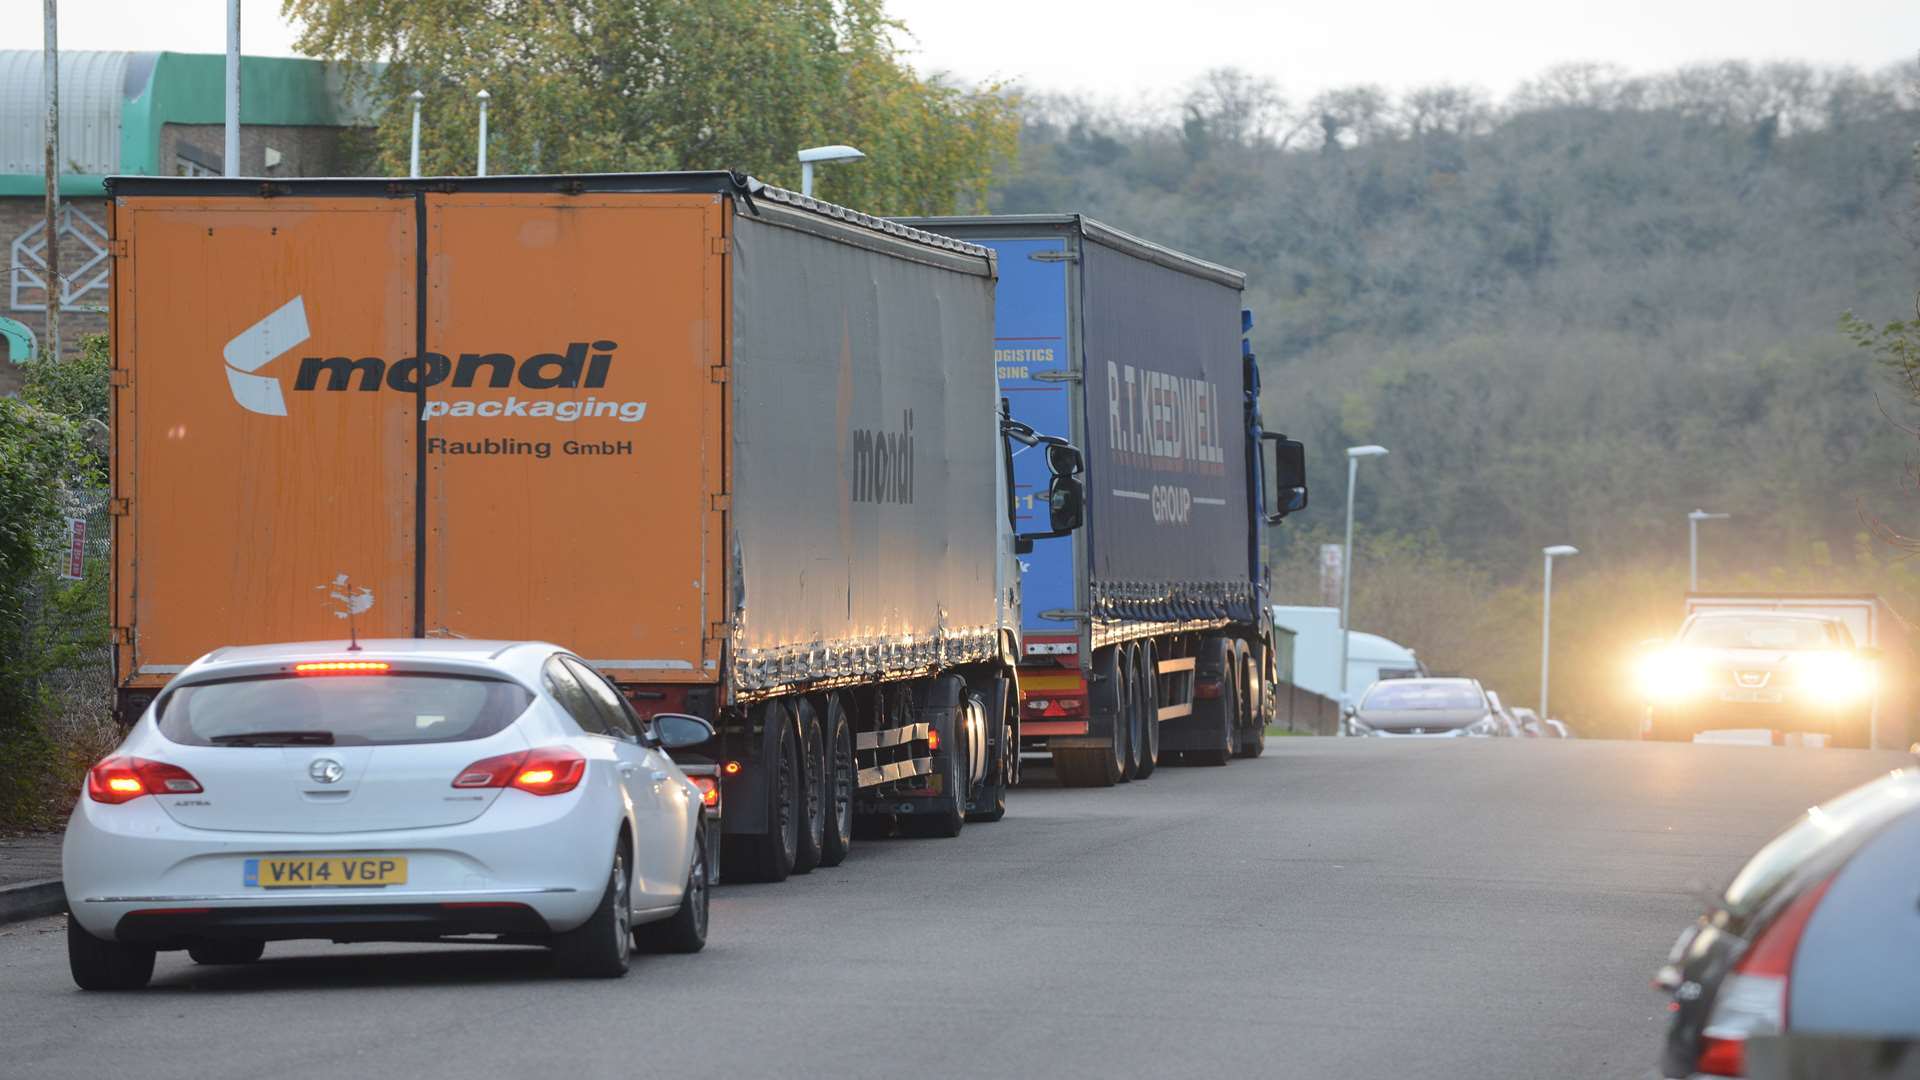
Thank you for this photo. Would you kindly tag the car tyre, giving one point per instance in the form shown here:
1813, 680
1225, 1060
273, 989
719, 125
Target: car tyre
98, 964
602, 947
836, 841
813, 789
686, 931
226, 951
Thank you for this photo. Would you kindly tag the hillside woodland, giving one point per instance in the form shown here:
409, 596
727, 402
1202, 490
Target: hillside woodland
1573, 316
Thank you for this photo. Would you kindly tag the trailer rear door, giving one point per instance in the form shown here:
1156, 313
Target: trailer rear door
245, 498
584, 512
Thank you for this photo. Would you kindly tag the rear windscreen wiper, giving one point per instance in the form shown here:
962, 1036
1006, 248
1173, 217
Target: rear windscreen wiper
274, 738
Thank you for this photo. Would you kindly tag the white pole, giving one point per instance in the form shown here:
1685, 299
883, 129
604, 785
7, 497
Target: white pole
484, 96
50, 76
806, 178
1546, 637
1346, 583
1693, 551
233, 89
413, 158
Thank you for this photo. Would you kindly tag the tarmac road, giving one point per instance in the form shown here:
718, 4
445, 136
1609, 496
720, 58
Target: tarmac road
1338, 908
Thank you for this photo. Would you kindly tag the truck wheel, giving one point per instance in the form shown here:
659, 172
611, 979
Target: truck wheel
770, 855
813, 788
951, 768
837, 840
1229, 704
1146, 699
1253, 680
1003, 751
1099, 766
686, 931
602, 947
98, 964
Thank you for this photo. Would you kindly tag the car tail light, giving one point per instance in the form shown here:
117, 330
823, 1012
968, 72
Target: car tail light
550, 770
120, 779
1752, 999
709, 790
343, 667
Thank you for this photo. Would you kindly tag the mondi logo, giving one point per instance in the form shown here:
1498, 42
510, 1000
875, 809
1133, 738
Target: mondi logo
256, 347
581, 365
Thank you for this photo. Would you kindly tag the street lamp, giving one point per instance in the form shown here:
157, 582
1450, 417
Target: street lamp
1561, 551
1354, 454
822, 153
1693, 545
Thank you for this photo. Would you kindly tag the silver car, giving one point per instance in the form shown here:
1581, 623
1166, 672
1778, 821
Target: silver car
1427, 708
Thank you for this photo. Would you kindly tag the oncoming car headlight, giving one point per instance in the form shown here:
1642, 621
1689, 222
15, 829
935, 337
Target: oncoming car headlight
1832, 678
1671, 675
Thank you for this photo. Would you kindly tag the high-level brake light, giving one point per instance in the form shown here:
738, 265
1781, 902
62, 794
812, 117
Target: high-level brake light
342, 667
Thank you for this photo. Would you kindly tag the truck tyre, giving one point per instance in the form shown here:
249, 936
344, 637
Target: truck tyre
769, 856
842, 784
950, 766
686, 931
1099, 766
1003, 750
1225, 728
1253, 681
1146, 698
98, 964
813, 787
602, 947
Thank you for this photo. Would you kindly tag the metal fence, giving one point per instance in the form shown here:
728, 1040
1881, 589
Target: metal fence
1306, 712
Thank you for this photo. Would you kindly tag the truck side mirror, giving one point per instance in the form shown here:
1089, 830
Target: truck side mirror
1064, 458
1287, 464
1066, 504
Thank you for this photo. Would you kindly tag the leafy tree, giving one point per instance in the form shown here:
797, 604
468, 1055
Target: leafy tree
638, 85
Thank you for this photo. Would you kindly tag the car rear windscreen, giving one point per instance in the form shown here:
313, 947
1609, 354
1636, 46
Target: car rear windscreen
1453, 697
355, 710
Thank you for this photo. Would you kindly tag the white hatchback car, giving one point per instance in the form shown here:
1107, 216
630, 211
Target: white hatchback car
403, 791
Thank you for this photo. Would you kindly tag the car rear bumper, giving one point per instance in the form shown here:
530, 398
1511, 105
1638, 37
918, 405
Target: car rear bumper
174, 927
118, 860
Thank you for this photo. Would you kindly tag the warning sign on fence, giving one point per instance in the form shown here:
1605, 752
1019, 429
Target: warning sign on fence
76, 567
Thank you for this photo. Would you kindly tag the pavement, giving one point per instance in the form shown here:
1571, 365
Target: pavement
1338, 908
30, 877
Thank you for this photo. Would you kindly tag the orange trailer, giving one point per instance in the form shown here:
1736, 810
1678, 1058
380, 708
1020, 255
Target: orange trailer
737, 448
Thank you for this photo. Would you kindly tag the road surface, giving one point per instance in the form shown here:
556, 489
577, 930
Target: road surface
1339, 908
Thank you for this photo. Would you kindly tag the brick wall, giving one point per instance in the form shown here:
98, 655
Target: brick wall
19, 215
304, 151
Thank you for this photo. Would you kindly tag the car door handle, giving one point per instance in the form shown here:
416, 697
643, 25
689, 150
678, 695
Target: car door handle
658, 775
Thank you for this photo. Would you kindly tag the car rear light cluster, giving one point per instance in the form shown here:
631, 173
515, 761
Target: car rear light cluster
551, 770
121, 779
343, 667
709, 790
1752, 999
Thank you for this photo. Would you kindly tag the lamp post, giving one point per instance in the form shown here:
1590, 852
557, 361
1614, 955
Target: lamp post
413, 156
484, 98
1354, 454
1693, 545
814, 154
232, 141
1558, 551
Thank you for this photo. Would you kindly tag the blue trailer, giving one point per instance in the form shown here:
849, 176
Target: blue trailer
1148, 635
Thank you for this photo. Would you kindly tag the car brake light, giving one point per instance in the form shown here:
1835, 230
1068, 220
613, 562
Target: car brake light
342, 667
550, 770
709, 790
1752, 999
120, 779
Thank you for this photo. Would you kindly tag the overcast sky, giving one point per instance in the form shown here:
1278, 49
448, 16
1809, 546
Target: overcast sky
1103, 48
